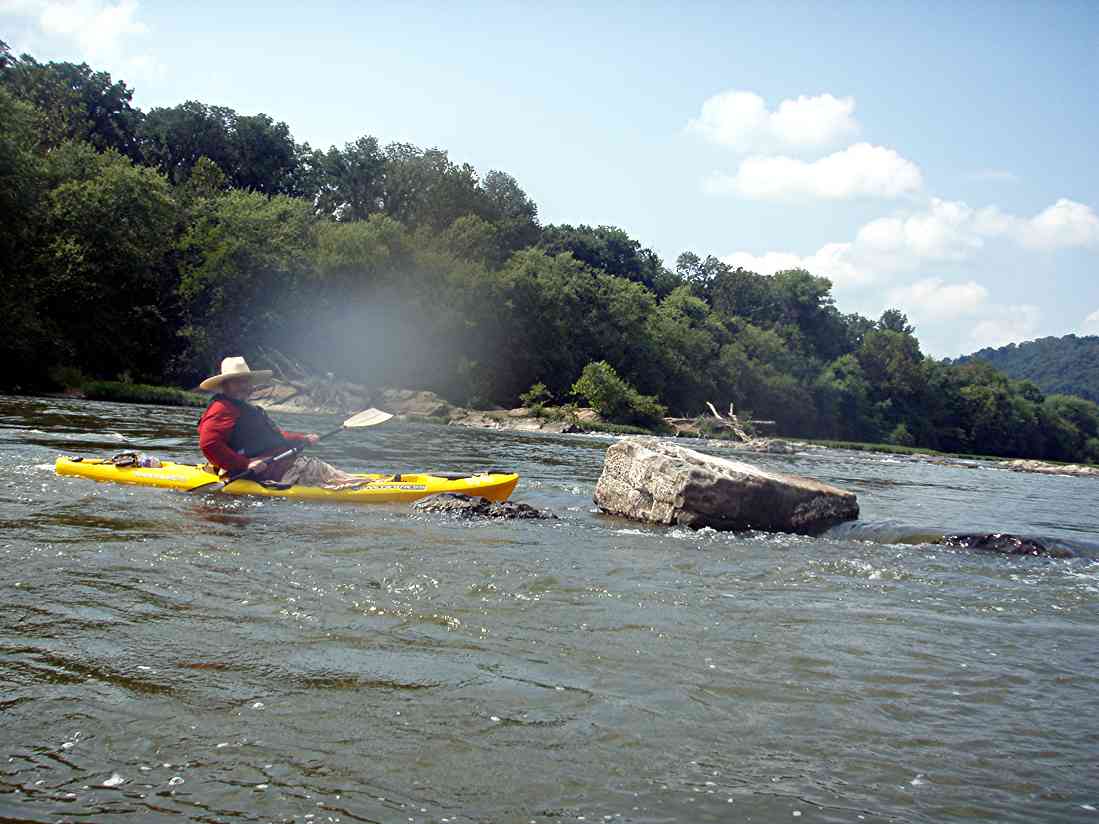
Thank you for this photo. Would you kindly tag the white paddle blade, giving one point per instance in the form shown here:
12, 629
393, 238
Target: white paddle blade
368, 417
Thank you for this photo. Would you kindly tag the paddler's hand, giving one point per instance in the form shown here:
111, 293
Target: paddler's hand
312, 438
257, 465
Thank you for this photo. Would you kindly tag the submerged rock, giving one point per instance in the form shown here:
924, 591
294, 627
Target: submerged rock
466, 506
1006, 544
650, 480
772, 445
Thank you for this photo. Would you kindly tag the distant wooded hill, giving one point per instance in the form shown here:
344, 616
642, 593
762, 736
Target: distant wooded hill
1068, 365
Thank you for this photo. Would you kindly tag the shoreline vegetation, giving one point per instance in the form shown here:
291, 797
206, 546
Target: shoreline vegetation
570, 420
148, 245
120, 392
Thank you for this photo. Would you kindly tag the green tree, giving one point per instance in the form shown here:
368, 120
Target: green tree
355, 258
27, 345
894, 320
352, 180
254, 151
686, 340
472, 238
611, 250
893, 366
512, 212
72, 102
843, 398
104, 261
613, 398
244, 259
422, 187
738, 292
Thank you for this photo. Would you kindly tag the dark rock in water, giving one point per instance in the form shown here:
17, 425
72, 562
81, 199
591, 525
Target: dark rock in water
1006, 544
465, 506
662, 483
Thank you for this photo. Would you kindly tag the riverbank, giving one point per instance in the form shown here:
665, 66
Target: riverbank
122, 392
427, 407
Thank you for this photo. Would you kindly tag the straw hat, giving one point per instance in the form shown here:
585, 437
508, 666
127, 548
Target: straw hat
234, 368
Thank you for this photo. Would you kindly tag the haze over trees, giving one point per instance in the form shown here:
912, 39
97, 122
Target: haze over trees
148, 245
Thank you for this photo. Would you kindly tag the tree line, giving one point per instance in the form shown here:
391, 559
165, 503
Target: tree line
145, 246
1068, 365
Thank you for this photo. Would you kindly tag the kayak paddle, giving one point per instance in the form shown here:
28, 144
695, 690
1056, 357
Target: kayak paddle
368, 417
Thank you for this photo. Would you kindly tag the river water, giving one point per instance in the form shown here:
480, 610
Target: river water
218, 659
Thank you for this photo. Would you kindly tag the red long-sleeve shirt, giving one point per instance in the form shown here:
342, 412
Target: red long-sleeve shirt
213, 437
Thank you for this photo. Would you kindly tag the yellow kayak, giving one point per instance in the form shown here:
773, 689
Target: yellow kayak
376, 489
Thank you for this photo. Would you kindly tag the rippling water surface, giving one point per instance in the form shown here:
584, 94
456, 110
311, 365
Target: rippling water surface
218, 659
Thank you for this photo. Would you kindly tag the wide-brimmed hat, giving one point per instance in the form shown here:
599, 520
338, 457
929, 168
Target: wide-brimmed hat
234, 368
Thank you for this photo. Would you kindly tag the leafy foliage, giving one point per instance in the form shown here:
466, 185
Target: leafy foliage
122, 392
153, 244
536, 398
1065, 366
615, 399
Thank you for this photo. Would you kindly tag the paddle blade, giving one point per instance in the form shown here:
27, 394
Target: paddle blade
209, 486
368, 417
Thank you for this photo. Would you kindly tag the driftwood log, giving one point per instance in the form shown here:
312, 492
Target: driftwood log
731, 422
306, 387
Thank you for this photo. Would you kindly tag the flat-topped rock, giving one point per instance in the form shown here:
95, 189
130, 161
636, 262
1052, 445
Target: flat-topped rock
650, 480
418, 403
1077, 470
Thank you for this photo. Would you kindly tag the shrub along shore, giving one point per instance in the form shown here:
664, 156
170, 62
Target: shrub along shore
149, 245
120, 392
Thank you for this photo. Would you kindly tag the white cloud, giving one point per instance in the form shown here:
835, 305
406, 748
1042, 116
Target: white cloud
936, 307
993, 175
861, 170
21, 7
932, 299
97, 27
1091, 324
1006, 324
99, 30
943, 232
740, 120
833, 261
1065, 223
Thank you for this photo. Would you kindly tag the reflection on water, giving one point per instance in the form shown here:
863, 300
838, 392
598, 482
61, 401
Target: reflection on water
165, 656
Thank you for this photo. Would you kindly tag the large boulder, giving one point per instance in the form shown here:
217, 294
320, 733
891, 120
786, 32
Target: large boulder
650, 480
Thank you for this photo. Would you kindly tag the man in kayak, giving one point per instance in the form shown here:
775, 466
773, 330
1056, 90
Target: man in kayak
236, 435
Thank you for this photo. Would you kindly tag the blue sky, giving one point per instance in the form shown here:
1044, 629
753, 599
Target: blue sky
937, 157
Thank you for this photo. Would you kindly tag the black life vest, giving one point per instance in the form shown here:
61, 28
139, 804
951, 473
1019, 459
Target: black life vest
254, 433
